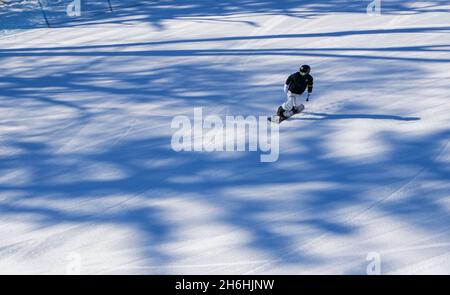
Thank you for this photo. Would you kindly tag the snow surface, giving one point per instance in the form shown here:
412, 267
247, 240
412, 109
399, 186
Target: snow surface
86, 165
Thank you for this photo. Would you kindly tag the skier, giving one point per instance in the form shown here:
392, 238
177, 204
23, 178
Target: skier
295, 85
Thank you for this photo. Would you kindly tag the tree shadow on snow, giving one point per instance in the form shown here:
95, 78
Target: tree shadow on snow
113, 161
157, 13
326, 116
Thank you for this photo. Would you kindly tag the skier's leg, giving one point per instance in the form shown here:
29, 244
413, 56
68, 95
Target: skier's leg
295, 108
280, 111
290, 101
298, 108
285, 110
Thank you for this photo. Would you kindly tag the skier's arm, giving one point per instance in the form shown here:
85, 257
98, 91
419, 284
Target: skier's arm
310, 88
288, 82
310, 85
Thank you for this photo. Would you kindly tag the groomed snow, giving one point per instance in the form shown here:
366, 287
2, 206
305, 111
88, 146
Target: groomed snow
87, 170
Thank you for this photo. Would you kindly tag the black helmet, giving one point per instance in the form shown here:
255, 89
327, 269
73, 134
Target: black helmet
305, 69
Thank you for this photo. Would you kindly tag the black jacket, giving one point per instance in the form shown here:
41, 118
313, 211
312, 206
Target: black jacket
298, 83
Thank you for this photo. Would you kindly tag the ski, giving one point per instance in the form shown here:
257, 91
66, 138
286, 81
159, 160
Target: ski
277, 119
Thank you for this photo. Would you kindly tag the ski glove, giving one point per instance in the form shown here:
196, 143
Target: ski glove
308, 97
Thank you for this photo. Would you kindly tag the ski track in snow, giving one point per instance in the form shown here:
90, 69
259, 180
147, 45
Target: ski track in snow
353, 219
86, 164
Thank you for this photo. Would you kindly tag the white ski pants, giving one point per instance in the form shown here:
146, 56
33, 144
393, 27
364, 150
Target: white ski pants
291, 101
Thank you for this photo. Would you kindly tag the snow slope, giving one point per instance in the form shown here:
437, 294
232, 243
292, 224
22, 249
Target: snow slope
87, 170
